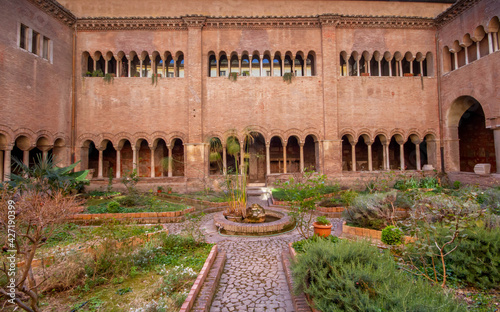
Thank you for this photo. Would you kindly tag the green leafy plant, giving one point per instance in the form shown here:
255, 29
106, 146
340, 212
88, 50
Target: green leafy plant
113, 207
301, 245
392, 235
287, 77
130, 180
322, 220
373, 211
233, 76
111, 174
108, 78
154, 79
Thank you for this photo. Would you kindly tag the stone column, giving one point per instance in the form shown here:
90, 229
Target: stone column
100, 164
175, 68
239, 65
284, 157
384, 157
163, 71
379, 68
268, 158
417, 150
7, 163
152, 148
411, 67
478, 50
496, 134
261, 65
170, 161
402, 155
224, 159
134, 159
353, 156
118, 163
358, 70
370, 162
387, 159
421, 67
455, 59
490, 43
26, 157
272, 67
390, 68
129, 67
242, 157
495, 43
301, 145
293, 65
282, 66
106, 66
466, 55
400, 68
140, 68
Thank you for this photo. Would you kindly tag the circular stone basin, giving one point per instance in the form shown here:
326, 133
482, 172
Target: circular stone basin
283, 223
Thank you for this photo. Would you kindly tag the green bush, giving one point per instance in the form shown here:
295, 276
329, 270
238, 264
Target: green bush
280, 194
113, 207
392, 235
490, 199
354, 276
322, 220
131, 200
370, 211
404, 200
301, 245
477, 259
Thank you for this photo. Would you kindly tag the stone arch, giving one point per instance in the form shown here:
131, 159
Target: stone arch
295, 132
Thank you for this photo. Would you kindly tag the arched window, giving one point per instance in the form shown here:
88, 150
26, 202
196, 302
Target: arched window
310, 65
277, 65
447, 61
235, 64
428, 65
266, 65
353, 66
87, 63
170, 66
158, 68
288, 64
111, 63
255, 66
134, 66
245, 65
180, 65
223, 67
212, 66
299, 65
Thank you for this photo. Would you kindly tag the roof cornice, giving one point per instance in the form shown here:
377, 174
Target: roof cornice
454, 11
182, 23
52, 7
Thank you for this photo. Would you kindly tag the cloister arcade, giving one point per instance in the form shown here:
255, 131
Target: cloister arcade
381, 64
134, 64
482, 41
258, 64
388, 152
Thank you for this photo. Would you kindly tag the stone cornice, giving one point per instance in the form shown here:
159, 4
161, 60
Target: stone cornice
182, 23
53, 8
454, 11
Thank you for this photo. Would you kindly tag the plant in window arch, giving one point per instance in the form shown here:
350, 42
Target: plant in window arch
303, 192
437, 223
154, 79
108, 78
233, 76
287, 77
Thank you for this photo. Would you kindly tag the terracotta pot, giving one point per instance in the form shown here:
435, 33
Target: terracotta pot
159, 191
322, 230
169, 192
234, 218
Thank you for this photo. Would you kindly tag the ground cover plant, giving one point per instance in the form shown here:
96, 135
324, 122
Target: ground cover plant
355, 276
211, 196
132, 203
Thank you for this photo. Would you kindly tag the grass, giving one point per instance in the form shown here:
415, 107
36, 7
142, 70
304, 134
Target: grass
211, 196
141, 203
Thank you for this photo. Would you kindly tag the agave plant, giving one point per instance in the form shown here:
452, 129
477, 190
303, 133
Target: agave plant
46, 172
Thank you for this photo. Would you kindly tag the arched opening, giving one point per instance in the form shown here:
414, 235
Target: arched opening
235, 64
92, 157
288, 64
362, 153
255, 157
353, 65
21, 151
169, 62
310, 65
292, 155
212, 66
123, 65
378, 153
224, 66
108, 160
343, 64
143, 158
410, 152
161, 158
477, 144
146, 66
87, 64
100, 62
158, 66
299, 65
394, 154
277, 65
266, 65
58, 152
215, 156
178, 158
363, 64
3, 162
347, 156
311, 154
385, 64
245, 65
111, 63
374, 64
134, 65
180, 65
447, 60
255, 65
126, 157
276, 155
233, 153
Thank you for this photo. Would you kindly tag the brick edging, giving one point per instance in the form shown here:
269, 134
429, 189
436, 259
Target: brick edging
362, 232
299, 301
193, 293
131, 215
194, 201
207, 293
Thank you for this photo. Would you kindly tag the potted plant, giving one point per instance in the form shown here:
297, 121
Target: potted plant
159, 189
169, 190
322, 226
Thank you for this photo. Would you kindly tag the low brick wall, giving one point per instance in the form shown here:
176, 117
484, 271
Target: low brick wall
193, 201
299, 301
368, 233
145, 217
195, 290
132, 240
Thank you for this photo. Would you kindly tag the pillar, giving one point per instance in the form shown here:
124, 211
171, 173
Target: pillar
175, 67
118, 163
1, 165
357, 68
163, 72
402, 155
224, 159
390, 68
417, 150
495, 42
379, 68
455, 58
282, 66
134, 159
242, 157
421, 67
384, 157
170, 161
353, 156
301, 157
250, 65
490, 43
466, 56
152, 161
140, 68
367, 65
239, 66
261, 65
7, 163
284, 157
478, 50
26, 158
106, 66
268, 159
411, 67
387, 164
370, 162
400, 68
272, 67
496, 134
100, 164
129, 67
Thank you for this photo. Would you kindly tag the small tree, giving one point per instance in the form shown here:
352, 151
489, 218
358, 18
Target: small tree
130, 180
304, 191
437, 223
38, 212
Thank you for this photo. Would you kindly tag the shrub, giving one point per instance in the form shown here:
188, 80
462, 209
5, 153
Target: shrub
113, 207
372, 211
331, 202
404, 200
392, 235
476, 260
301, 245
490, 199
131, 200
354, 276
322, 220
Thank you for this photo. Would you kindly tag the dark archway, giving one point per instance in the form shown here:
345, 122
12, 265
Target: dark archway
255, 157
292, 155
310, 154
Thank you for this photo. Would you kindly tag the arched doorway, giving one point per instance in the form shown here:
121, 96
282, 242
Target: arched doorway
477, 145
255, 157
469, 141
